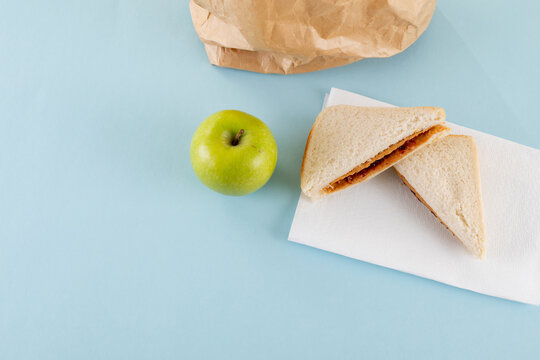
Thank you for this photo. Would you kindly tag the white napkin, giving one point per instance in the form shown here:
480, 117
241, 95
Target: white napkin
381, 222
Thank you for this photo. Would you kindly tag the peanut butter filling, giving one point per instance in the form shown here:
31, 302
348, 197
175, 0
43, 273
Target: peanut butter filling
384, 159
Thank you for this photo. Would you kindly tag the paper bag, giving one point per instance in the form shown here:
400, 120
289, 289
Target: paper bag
286, 37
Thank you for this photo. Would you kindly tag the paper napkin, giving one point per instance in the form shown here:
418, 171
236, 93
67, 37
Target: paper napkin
380, 221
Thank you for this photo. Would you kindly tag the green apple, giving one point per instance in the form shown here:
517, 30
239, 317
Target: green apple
233, 153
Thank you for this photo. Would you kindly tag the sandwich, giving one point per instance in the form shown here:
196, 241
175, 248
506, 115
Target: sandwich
350, 144
445, 177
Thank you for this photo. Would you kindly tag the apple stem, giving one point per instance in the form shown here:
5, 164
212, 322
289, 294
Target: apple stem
237, 137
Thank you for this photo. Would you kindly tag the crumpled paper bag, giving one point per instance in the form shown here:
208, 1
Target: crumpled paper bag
286, 37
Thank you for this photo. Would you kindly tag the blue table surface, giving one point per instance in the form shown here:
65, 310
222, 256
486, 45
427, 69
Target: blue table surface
110, 247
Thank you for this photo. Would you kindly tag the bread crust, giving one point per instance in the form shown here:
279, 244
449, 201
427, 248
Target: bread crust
305, 151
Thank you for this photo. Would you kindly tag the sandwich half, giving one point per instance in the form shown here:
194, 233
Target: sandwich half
349, 144
445, 176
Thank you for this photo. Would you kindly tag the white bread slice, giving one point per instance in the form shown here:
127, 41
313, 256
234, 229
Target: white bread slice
445, 176
349, 144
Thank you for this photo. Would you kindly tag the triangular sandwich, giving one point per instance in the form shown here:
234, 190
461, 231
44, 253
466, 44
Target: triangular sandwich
349, 144
445, 176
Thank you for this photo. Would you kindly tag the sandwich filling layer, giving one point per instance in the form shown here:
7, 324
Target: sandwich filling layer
384, 159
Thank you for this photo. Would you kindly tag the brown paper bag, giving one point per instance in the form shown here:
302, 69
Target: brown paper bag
296, 36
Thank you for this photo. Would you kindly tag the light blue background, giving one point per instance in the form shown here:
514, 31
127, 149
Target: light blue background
110, 248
